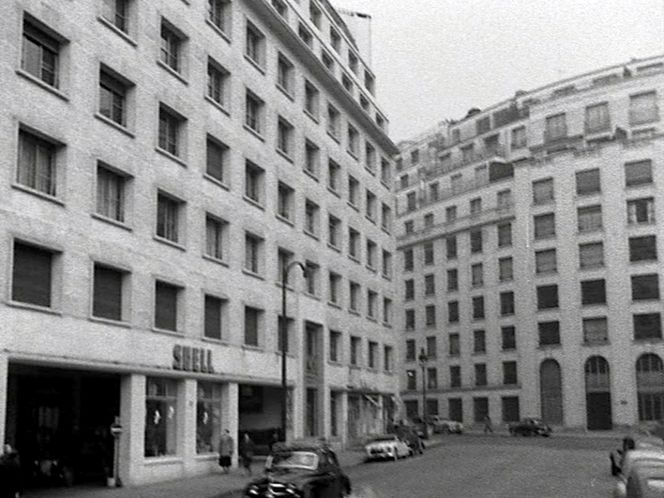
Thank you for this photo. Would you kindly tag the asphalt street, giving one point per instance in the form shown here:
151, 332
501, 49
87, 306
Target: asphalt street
501, 467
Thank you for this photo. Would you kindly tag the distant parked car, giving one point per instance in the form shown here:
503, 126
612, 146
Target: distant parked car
636, 441
446, 426
424, 429
387, 446
635, 459
529, 427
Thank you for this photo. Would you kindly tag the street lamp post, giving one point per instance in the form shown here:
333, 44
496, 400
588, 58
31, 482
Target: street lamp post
284, 342
423, 363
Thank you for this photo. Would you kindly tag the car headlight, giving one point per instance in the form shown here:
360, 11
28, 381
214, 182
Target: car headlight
252, 490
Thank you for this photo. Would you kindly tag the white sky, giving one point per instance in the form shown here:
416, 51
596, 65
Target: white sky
436, 59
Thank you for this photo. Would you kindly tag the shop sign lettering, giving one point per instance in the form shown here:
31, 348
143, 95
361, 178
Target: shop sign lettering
192, 359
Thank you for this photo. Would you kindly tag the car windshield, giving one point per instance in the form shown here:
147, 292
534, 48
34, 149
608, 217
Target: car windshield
382, 438
293, 460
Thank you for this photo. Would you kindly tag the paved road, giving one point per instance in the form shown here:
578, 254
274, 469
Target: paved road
493, 467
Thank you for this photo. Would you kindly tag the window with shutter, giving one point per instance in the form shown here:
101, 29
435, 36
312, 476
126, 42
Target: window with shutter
32, 275
166, 306
107, 298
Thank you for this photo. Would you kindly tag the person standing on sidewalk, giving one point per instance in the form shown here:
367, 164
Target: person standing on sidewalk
487, 425
226, 448
246, 452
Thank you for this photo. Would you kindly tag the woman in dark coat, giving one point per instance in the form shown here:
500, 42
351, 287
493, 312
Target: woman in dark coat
226, 448
246, 452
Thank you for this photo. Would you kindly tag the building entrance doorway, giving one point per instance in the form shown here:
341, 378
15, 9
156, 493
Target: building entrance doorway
59, 421
551, 392
598, 394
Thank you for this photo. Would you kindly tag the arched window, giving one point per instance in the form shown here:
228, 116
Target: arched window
650, 386
597, 374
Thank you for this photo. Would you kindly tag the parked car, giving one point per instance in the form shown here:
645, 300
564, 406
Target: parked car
633, 459
529, 427
308, 469
409, 434
630, 442
424, 429
446, 426
387, 446
646, 481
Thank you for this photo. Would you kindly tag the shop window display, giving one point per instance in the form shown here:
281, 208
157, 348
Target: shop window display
160, 417
208, 417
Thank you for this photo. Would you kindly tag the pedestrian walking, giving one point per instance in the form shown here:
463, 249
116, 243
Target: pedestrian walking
487, 425
10, 473
246, 452
226, 448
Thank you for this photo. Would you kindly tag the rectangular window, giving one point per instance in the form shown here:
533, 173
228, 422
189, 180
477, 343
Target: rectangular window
647, 326
430, 315
432, 383
479, 341
429, 285
354, 301
355, 350
478, 307
385, 171
593, 292
311, 158
387, 311
311, 217
453, 311
410, 350
161, 417
519, 138
370, 157
334, 286
255, 45
112, 97
335, 346
589, 219
208, 417
333, 121
591, 255
480, 374
411, 380
252, 326
386, 218
333, 232
455, 376
213, 318
219, 14
588, 182
370, 206
305, 35
216, 159
32, 275
504, 235
543, 191
312, 278
387, 264
40, 55
285, 74
171, 130
645, 287
556, 127
171, 46
371, 254
451, 247
477, 275
285, 196
168, 217
117, 13
476, 240
110, 194
595, 330
475, 206
454, 345
511, 410
217, 82
641, 211
452, 280
214, 237
638, 173
547, 297
510, 376
333, 175
643, 108
353, 192
166, 306
410, 319
545, 226
549, 333
107, 293
254, 177
387, 358
508, 337
409, 289
311, 99
37, 167
353, 139
505, 270
373, 355
253, 253
598, 118
506, 303
253, 108
428, 253
643, 248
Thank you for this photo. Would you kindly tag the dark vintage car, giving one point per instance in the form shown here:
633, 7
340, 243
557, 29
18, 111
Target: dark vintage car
300, 470
636, 441
529, 427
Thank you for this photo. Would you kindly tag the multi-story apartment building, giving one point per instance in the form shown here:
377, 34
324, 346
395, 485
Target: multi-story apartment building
164, 162
530, 252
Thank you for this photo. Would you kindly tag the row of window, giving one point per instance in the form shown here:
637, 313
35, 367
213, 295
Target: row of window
510, 377
509, 404
643, 110
508, 343
36, 268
